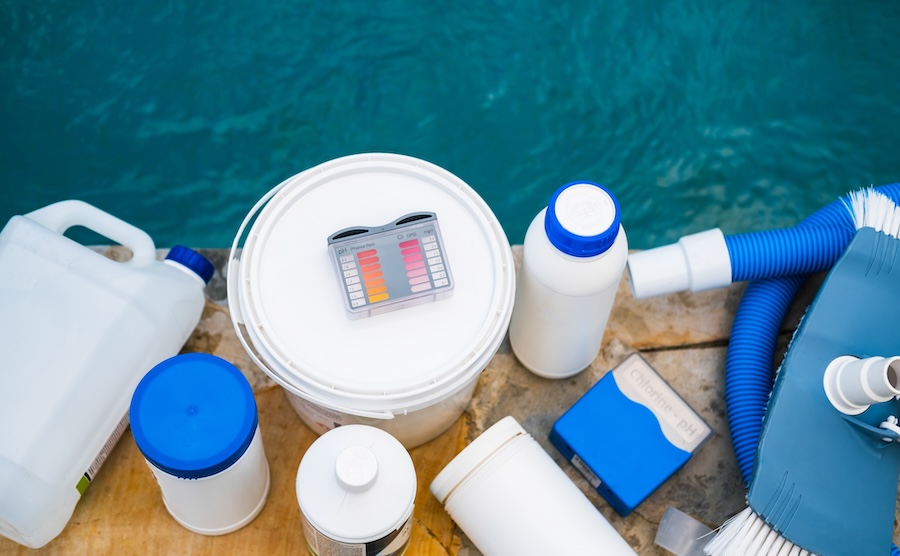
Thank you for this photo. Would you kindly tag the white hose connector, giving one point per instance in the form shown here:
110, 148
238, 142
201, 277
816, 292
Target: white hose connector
697, 262
853, 384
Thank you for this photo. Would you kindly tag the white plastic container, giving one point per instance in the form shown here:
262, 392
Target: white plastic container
573, 258
78, 332
356, 486
410, 371
194, 419
509, 497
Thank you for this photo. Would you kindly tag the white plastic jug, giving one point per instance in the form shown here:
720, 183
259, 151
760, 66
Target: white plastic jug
77, 332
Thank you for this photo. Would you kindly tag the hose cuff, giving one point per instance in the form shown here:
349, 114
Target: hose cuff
853, 384
697, 262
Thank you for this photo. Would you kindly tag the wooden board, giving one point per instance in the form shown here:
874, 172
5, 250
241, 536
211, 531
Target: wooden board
123, 513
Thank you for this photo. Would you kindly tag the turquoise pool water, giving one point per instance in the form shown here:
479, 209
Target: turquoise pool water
177, 116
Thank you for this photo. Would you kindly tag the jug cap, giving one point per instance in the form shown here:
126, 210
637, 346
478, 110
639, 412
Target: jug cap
193, 261
193, 415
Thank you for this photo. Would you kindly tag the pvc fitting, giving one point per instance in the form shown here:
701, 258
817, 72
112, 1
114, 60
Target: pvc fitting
853, 384
697, 262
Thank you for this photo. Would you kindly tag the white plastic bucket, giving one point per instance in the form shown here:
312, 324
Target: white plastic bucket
410, 371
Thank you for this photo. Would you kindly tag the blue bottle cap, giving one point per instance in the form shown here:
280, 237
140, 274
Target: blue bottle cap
582, 219
192, 260
193, 415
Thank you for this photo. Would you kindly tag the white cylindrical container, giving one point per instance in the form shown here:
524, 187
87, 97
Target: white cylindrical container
195, 421
411, 371
574, 255
79, 331
356, 486
509, 497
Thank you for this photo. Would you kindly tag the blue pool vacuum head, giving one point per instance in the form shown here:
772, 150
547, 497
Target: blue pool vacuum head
823, 479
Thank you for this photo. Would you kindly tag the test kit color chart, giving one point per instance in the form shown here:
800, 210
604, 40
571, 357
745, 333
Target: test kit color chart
365, 276
391, 266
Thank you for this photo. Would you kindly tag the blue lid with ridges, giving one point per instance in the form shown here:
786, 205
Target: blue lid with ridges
582, 219
193, 415
192, 260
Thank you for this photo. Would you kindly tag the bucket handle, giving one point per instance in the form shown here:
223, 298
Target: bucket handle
61, 216
234, 255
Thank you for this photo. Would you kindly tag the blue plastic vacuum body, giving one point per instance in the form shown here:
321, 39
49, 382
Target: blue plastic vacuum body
824, 480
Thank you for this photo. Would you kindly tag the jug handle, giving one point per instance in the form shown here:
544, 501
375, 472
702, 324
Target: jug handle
61, 216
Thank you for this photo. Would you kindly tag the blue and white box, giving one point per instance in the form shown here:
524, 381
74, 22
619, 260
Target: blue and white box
629, 433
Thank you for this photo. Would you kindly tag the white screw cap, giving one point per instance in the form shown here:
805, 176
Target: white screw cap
356, 468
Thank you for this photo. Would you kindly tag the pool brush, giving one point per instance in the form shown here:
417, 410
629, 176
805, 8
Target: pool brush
825, 476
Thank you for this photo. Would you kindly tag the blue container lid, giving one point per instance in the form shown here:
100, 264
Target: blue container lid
192, 260
193, 415
582, 219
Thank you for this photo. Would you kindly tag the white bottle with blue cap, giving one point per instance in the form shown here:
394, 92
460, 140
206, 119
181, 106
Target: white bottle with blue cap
574, 256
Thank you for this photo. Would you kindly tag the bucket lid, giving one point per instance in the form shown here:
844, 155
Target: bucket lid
356, 484
286, 295
193, 415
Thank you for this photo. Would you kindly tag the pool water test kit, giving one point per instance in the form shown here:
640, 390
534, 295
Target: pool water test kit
392, 266
629, 433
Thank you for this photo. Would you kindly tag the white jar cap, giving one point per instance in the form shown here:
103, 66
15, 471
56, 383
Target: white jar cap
482, 448
356, 468
356, 483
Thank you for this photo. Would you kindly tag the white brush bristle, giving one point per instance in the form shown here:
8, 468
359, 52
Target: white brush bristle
872, 209
746, 534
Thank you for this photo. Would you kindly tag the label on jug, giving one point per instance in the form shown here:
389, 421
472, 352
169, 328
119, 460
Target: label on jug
111, 442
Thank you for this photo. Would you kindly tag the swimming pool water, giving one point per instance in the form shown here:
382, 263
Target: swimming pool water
177, 116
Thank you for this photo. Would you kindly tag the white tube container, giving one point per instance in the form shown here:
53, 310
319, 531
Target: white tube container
411, 371
509, 497
356, 486
573, 258
195, 421
79, 331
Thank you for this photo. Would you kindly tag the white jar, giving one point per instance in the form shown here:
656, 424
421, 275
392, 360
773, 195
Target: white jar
79, 331
574, 256
356, 486
195, 421
509, 497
